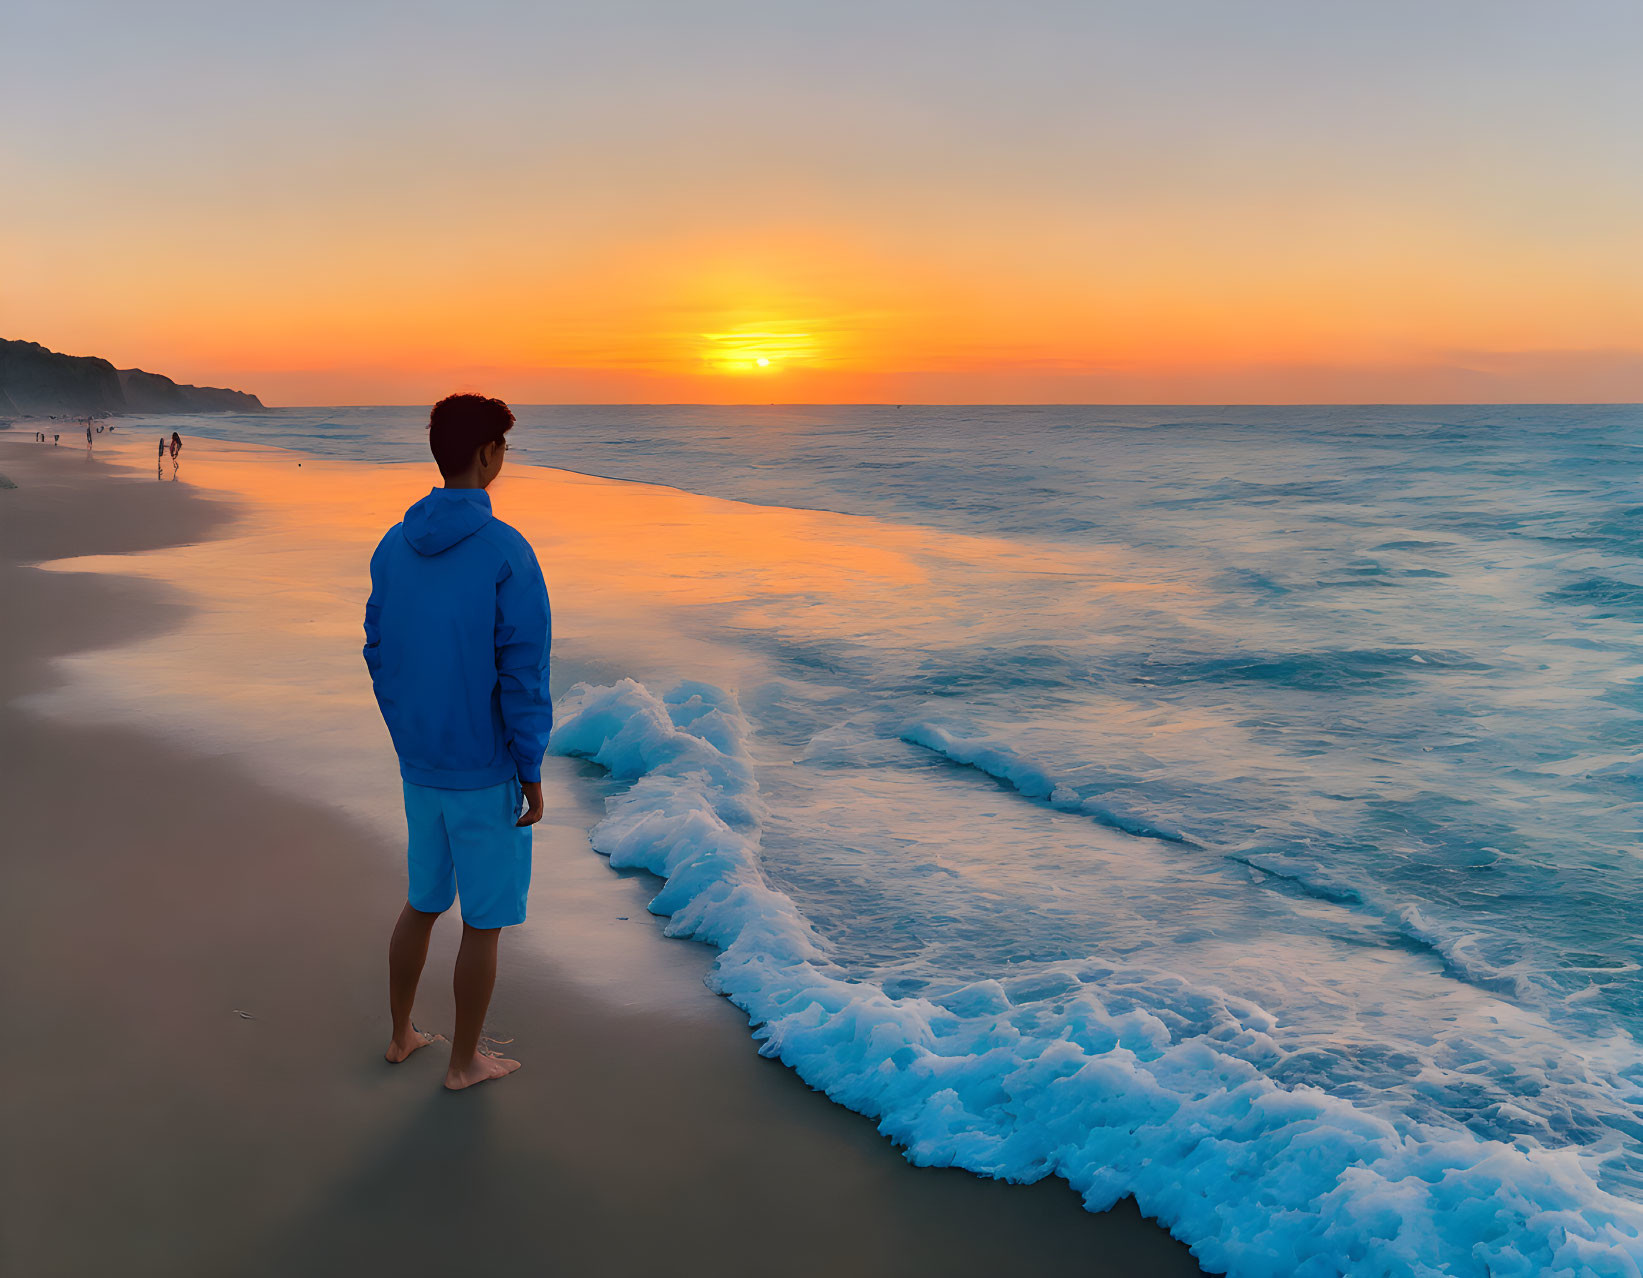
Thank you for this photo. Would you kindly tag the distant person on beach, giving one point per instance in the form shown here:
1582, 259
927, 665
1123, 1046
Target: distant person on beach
162, 445
457, 632
176, 444
55, 440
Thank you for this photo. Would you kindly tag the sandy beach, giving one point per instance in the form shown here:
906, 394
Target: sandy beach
196, 943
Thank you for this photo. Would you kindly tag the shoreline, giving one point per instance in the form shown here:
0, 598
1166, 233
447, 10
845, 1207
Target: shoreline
156, 892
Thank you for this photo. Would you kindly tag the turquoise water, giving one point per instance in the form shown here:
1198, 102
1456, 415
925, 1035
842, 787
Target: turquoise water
1347, 797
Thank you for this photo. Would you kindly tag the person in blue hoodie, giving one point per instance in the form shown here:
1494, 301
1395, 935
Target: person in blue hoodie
457, 631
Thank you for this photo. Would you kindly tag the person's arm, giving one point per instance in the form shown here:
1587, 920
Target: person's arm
524, 630
373, 623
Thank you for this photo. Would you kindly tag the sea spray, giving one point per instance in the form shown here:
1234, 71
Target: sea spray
1122, 1079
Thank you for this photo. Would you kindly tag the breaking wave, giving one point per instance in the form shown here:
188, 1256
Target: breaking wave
1123, 1079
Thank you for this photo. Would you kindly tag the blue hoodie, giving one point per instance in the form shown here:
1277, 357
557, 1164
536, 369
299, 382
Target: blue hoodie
456, 638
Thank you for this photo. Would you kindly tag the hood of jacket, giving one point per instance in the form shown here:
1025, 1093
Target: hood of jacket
444, 517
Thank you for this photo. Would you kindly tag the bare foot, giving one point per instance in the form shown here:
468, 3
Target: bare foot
400, 1048
482, 1068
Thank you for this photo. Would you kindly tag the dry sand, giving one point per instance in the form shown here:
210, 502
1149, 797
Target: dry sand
194, 1002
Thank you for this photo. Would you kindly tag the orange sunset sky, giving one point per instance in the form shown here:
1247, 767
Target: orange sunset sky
895, 202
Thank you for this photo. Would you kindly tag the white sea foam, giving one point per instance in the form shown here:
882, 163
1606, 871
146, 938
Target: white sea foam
1120, 1078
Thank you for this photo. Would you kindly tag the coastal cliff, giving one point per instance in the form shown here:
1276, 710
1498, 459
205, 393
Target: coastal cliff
36, 382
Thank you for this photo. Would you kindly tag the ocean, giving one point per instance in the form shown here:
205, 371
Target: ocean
1238, 808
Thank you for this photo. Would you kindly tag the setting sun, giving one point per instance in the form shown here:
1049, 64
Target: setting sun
750, 348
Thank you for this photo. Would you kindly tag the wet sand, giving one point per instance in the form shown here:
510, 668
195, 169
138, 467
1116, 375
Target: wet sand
194, 998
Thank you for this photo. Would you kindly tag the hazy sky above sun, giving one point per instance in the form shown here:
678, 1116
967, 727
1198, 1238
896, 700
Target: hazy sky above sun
699, 201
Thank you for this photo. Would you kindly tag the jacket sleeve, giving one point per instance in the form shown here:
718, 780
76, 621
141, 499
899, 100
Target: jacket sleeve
524, 630
373, 620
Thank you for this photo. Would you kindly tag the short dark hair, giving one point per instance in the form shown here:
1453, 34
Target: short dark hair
461, 425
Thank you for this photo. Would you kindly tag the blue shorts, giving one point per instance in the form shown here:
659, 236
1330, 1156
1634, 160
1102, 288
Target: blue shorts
467, 840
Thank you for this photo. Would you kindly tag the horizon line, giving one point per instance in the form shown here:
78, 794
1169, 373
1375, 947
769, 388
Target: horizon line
956, 403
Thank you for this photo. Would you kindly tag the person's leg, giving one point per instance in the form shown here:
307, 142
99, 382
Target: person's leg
430, 891
407, 952
492, 859
474, 980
